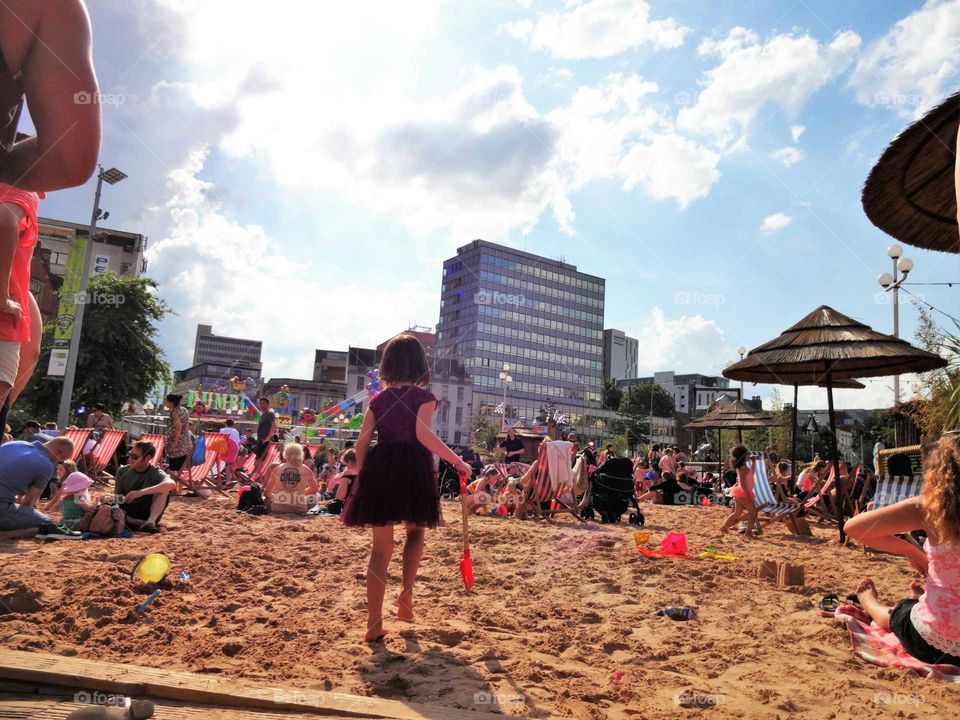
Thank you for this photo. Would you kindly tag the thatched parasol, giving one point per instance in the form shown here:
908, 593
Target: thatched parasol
738, 415
825, 346
910, 194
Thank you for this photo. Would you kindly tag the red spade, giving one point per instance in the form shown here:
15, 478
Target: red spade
466, 562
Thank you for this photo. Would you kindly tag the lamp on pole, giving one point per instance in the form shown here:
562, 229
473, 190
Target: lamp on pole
892, 282
506, 379
741, 351
111, 177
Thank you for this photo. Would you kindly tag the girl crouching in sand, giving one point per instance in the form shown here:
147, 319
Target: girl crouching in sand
743, 501
928, 624
397, 479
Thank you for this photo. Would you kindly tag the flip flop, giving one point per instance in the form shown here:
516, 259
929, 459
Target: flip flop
830, 602
853, 600
149, 528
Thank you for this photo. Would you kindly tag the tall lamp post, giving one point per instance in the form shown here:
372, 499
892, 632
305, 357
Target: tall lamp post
506, 379
891, 283
741, 351
111, 177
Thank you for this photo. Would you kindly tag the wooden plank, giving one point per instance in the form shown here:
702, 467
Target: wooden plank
14, 708
137, 681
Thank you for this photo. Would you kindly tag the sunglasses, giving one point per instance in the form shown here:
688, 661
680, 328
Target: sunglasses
134, 456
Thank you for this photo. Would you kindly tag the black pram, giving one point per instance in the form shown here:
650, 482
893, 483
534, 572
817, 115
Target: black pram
612, 492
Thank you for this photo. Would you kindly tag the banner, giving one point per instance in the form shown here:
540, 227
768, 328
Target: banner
69, 292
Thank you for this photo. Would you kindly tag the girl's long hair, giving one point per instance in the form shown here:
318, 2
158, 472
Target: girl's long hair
738, 453
404, 362
941, 489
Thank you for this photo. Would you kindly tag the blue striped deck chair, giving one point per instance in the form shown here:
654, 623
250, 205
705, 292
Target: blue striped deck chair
764, 499
894, 488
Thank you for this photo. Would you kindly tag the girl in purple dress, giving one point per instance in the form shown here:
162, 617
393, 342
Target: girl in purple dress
397, 477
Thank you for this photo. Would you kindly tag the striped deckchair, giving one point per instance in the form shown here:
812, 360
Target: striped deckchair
79, 437
817, 506
200, 474
764, 499
104, 453
894, 488
250, 461
158, 441
541, 491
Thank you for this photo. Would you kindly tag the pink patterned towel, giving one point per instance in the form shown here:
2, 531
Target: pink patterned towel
883, 648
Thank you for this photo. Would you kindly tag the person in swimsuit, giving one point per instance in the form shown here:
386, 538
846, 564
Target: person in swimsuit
743, 500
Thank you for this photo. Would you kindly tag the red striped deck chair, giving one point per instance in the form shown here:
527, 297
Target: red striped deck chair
200, 474
104, 453
158, 441
540, 491
79, 437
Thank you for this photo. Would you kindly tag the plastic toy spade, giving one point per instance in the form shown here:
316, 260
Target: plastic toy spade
466, 562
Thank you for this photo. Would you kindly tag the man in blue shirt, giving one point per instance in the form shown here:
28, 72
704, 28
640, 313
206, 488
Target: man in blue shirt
25, 469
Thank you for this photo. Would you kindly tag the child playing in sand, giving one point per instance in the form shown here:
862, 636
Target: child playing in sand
480, 492
398, 481
928, 624
743, 500
73, 498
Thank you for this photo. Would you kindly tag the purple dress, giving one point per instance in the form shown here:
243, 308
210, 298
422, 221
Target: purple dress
398, 482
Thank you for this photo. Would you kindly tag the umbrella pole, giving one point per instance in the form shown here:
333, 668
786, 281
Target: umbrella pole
793, 439
740, 435
838, 483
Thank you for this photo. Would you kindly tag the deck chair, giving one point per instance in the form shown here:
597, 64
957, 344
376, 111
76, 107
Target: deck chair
817, 505
104, 453
543, 489
200, 474
892, 489
159, 441
767, 505
79, 437
272, 456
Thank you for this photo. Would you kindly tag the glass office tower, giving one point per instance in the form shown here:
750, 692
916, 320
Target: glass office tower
542, 317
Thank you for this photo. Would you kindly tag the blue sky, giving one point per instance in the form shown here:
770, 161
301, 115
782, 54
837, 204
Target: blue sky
303, 172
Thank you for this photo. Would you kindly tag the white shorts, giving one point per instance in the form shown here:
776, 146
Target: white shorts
9, 361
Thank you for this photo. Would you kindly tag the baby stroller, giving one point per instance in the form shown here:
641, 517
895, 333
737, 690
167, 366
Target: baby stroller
611, 492
449, 480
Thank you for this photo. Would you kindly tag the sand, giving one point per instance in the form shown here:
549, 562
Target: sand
561, 621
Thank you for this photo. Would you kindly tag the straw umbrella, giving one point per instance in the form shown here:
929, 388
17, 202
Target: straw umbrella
910, 194
826, 346
738, 415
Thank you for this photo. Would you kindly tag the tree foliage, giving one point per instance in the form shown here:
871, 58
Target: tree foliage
119, 358
612, 394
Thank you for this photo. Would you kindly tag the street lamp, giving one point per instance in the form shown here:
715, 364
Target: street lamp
111, 177
741, 351
507, 379
893, 282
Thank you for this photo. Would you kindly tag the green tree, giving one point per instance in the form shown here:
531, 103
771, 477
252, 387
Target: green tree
485, 432
119, 357
612, 395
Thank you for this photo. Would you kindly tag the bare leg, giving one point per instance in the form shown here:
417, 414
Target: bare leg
29, 352
878, 612
412, 552
733, 517
157, 506
380, 555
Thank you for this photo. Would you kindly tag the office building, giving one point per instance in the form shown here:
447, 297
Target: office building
228, 351
693, 393
619, 355
330, 366
113, 250
541, 316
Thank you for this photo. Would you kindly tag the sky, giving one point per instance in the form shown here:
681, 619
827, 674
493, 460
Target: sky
302, 169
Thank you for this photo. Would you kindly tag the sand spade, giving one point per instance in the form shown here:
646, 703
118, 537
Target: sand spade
135, 614
466, 562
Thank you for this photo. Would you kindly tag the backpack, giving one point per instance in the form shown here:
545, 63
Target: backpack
251, 500
199, 451
104, 520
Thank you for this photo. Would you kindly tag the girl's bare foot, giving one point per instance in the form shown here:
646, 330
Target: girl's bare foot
405, 607
866, 592
375, 633
916, 589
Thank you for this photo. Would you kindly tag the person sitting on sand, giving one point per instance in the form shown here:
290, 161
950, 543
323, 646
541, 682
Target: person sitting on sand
664, 492
73, 499
928, 624
25, 469
743, 499
340, 485
482, 491
290, 486
143, 490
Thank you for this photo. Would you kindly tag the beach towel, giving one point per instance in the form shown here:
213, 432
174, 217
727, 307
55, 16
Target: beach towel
558, 463
883, 648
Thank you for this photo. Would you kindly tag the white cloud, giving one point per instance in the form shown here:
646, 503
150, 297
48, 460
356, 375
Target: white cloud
796, 131
598, 29
684, 344
789, 156
777, 221
915, 64
205, 256
671, 166
785, 71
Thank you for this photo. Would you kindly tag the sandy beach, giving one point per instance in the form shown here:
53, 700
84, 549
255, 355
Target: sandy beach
561, 621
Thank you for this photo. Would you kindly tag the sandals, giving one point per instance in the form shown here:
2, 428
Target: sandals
149, 528
830, 602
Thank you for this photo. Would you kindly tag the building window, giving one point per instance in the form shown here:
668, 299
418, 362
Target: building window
57, 258
459, 415
360, 382
456, 438
460, 394
126, 268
